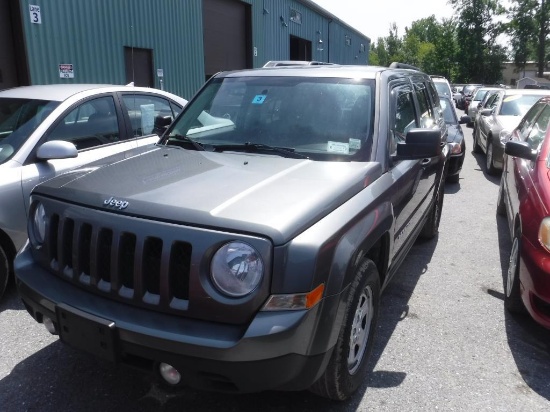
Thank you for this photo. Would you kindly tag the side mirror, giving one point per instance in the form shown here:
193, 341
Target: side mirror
486, 112
162, 123
465, 119
520, 149
56, 149
420, 144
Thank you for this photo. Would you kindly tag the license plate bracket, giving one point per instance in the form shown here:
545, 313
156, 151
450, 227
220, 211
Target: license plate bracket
87, 332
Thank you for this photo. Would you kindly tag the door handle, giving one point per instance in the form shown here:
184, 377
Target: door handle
426, 162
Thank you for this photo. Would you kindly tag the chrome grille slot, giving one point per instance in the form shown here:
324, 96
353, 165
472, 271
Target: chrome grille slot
149, 271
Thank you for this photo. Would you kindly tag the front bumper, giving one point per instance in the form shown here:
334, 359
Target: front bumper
275, 350
534, 275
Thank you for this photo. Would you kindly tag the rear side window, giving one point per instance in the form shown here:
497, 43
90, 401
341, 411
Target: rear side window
142, 111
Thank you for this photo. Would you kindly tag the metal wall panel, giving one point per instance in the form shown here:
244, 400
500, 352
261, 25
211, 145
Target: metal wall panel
92, 34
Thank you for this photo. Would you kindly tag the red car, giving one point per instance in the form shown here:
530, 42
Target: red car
524, 197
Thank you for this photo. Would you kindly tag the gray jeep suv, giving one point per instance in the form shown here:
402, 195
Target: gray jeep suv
248, 253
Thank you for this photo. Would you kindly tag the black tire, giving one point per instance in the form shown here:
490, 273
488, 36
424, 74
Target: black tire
501, 207
477, 147
4, 271
453, 178
431, 227
489, 163
348, 365
512, 296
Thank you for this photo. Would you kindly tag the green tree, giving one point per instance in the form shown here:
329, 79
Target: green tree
476, 35
522, 31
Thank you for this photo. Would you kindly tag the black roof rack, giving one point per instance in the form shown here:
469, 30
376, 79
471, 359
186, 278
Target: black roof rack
397, 65
278, 63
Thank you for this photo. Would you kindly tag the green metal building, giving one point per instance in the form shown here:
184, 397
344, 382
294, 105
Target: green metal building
170, 44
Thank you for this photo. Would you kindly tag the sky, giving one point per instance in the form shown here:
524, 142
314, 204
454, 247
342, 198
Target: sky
373, 18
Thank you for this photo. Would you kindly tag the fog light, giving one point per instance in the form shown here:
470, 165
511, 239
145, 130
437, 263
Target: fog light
169, 373
50, 326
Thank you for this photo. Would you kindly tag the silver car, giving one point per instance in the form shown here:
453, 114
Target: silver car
495, 123
47, 130
477, 99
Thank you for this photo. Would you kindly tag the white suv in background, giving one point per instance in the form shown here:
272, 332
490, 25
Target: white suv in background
442, 85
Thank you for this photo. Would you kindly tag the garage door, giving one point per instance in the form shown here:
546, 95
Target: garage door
226, 36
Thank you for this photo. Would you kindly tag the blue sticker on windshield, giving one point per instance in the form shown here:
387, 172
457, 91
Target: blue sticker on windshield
259, 99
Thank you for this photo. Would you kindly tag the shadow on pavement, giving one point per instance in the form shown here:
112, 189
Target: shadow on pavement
528, 341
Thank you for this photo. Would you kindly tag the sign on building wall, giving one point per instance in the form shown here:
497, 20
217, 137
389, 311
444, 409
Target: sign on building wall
66, 71
34, 11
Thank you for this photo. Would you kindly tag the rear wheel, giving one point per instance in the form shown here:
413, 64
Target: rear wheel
512, 296
347, 368
4, 271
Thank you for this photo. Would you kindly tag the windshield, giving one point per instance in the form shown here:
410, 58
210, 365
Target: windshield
317, 118
517, 104
18, 119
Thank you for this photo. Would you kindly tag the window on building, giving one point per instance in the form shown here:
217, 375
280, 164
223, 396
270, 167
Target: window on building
348, 41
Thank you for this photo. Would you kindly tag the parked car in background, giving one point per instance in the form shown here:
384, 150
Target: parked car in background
442, 85
476, 102
457, 93
483, 105
47, 130
467, 92
505, 109
524, 198
455, 138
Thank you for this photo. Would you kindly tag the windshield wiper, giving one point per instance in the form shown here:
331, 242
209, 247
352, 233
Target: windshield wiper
186, 139
251, 147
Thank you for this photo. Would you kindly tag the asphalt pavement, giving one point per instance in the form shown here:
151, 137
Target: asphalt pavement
445, 341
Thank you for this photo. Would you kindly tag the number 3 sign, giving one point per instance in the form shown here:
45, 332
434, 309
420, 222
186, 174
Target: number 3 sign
35, 14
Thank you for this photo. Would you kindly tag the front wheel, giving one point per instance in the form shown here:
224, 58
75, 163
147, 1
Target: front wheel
501, 206
347, 368
490, 166
4, 271
477, 147
512, 296
431, 227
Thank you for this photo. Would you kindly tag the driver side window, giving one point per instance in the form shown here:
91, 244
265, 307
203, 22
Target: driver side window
90, 124
404, 117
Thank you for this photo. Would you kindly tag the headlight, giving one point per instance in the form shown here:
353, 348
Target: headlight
544, 233
504, 135
455, 148
39, 224
236, 269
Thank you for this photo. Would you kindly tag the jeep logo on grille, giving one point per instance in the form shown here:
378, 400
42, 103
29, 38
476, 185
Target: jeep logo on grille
119, 204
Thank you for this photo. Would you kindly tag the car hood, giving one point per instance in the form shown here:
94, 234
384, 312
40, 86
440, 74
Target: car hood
509, 122
273, 196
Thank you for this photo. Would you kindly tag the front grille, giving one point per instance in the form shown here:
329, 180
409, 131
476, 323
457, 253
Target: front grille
141, 269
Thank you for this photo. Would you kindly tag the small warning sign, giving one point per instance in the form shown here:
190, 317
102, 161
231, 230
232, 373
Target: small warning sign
66, 71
